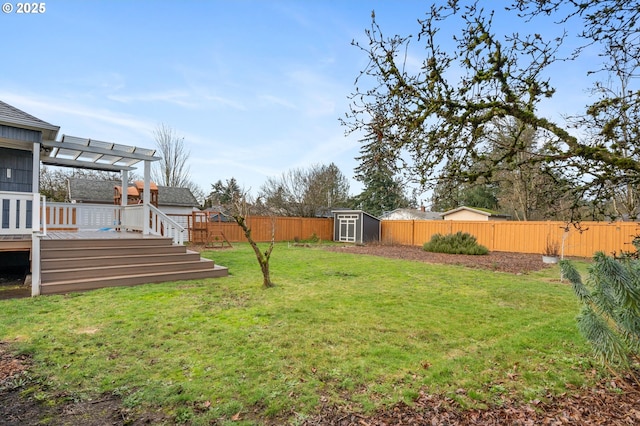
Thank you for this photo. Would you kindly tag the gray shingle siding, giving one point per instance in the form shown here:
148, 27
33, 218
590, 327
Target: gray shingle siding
21, 165
14, 133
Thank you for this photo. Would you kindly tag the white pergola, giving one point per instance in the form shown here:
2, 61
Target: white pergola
92, 154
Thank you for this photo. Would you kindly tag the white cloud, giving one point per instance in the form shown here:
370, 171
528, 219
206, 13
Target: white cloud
66, 111
275, 100
177, 97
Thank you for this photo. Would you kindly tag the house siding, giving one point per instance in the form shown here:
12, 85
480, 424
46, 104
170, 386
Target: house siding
14, 133
463, 215
21, 165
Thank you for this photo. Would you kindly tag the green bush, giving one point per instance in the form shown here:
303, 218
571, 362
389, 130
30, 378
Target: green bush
458, 243
610, 298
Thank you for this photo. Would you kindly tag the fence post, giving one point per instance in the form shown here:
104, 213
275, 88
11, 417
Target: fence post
493, 237
413, 232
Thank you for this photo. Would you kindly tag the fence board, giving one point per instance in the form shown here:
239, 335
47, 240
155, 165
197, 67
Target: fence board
520, 237
286, 229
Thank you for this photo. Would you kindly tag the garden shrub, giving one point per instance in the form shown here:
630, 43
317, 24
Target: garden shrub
610, 314
458, 243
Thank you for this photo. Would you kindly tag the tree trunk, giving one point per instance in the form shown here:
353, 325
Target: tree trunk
263, 258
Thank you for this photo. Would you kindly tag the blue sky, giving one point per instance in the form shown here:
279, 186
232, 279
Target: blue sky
255, 87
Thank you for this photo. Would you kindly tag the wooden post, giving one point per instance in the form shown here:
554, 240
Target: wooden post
147, 197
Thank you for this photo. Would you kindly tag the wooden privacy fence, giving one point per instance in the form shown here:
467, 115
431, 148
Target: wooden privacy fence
519, 237
507, 236
286, 229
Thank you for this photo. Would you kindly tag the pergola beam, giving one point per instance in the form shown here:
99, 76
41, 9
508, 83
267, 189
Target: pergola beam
98, 150
83, 164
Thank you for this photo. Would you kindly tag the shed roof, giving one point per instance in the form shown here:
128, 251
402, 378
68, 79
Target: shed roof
340, 211
96, 191
12, 116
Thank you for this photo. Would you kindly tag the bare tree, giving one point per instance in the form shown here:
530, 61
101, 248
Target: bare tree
306, 192
239, 210
173, 169
435, 118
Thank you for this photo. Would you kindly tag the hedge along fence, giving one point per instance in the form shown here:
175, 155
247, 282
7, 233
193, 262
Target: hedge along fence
519, 237
287, 229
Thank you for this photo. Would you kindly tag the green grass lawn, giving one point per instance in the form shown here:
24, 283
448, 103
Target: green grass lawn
338, 328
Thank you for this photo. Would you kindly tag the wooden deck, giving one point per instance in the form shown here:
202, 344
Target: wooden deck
95, 235
15, 243
85, 260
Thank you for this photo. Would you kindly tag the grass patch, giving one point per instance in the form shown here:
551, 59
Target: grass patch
345, 328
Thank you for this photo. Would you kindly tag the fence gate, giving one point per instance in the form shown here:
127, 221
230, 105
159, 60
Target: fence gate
347, 227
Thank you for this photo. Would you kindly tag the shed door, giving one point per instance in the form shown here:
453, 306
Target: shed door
347, 227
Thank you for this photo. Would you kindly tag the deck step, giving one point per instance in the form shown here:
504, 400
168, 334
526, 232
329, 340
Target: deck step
104, 242
54, 264
61, 287
122, 270
78, 264
129, 250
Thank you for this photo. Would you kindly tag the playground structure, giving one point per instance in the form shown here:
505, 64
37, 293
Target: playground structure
204, 230
135, 193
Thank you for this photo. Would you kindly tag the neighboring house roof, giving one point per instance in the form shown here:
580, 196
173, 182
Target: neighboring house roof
478, 210
91, 191
411, 214
96, 191
12, 116
172, 196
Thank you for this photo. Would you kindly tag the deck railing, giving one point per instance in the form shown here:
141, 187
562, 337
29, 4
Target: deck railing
17, 213
83, 216
161, 224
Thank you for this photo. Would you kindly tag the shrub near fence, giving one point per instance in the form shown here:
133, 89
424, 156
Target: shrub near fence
519, 237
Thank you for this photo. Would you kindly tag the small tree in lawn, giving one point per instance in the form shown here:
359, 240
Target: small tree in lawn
239, 211
610, 315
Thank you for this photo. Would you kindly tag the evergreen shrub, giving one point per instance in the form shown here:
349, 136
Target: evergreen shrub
458, 243
610, 299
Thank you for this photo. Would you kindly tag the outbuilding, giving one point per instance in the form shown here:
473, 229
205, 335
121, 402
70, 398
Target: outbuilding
465, 213
355, 226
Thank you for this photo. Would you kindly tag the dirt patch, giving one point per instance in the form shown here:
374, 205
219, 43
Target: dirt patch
608, 403
516, 263
24, 402
13, 286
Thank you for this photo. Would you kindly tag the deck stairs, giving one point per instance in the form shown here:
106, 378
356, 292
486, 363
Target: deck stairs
69, 265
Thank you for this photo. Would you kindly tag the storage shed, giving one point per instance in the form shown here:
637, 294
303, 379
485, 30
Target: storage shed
355, 226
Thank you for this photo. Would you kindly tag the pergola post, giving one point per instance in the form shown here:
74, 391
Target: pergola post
124, 197
147, 197
35, 222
